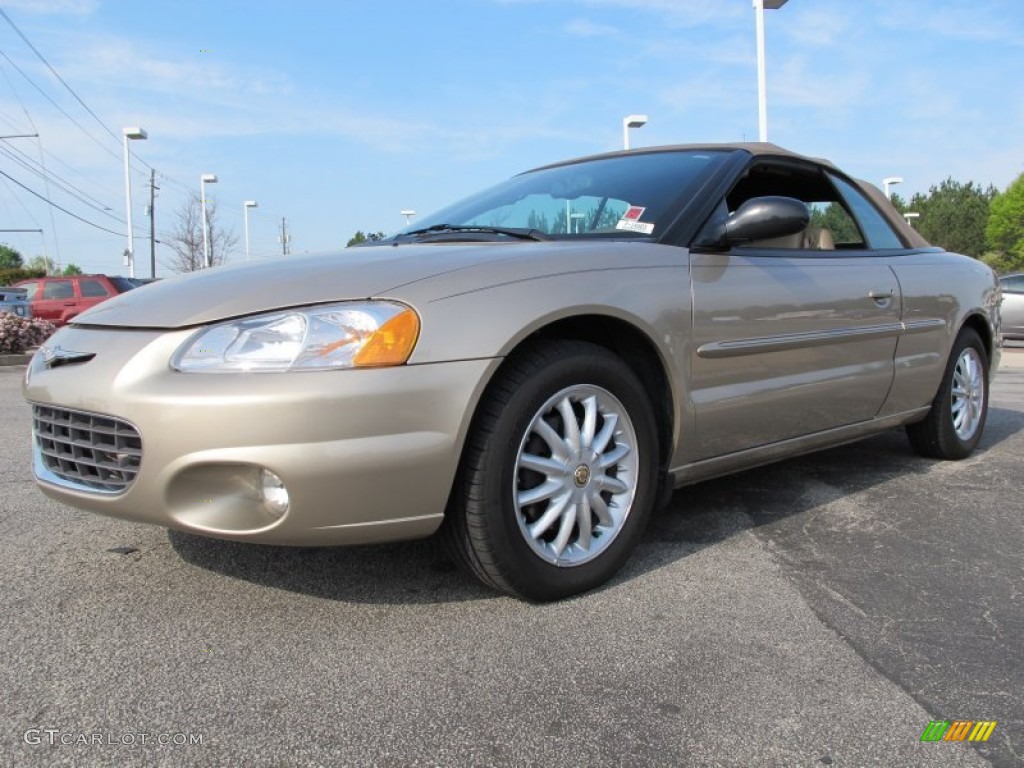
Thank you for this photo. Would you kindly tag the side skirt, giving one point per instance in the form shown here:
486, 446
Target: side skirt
718, 466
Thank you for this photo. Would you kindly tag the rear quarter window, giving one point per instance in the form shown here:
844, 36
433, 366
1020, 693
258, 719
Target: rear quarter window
876, 229
92, 288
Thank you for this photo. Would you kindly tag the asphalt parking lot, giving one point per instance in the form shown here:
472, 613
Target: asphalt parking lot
820, 611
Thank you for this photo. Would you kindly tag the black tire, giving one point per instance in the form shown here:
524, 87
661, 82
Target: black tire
488, 523
953, 426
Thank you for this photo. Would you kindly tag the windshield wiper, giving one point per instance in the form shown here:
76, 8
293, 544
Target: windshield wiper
516, 232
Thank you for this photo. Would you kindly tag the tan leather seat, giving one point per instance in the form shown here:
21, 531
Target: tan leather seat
810, 239
818, 239
796, 240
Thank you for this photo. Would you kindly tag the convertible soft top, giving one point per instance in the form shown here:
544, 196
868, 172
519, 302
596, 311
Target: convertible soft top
766, 149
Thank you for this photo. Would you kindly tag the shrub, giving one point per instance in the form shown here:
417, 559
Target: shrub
18, 334
1004, 263
11, 275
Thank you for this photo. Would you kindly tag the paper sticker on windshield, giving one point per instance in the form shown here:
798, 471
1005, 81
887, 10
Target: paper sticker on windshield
630, 221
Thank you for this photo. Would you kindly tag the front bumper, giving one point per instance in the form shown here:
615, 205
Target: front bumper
366, 455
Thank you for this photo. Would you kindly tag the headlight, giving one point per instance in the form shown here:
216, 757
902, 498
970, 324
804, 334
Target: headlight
347, 335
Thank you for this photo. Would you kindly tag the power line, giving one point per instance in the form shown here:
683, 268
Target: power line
56, 74
58, 207
61, 109
66, 186
77, 98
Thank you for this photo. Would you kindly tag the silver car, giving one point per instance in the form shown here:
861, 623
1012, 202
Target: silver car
1012, 309
529, 372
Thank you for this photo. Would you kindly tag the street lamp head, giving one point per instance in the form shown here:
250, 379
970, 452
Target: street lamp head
890, 180
251, 204
135, 133
635, 121
407, 212
208, 178
773, 5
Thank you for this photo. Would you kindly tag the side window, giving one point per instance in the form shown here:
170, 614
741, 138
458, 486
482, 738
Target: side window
91, 288
834, 218
831, 226
1013, 284
58, 289
876, 228
30, 290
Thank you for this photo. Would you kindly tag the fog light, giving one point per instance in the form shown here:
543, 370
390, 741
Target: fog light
275, 495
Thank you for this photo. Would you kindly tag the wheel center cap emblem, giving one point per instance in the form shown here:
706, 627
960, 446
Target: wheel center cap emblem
582, 475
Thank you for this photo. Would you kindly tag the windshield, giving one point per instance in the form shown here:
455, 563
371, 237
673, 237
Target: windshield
634, 195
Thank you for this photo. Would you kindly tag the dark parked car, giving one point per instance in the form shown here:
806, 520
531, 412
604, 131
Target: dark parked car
14, 300
59, 299
1011, 312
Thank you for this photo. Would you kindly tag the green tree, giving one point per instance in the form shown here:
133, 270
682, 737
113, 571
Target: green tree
11, 275
72, 269
837, 221
954, 216
1005, 229
9, 258
45, 263
538, 222
364, 237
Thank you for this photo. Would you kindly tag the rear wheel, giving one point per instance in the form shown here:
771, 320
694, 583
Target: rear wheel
559, 474
954, 425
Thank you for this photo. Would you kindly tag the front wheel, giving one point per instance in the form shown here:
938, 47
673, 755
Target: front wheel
559, 474
953, 427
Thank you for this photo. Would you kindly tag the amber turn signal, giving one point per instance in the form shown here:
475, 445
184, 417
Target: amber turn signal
392, 343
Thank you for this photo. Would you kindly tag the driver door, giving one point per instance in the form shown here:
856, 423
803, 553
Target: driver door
790, 337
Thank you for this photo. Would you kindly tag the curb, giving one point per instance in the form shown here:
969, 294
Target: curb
21, 359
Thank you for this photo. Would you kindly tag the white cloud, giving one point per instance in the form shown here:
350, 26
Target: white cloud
683, 13
587, 28
975, 21
48, 7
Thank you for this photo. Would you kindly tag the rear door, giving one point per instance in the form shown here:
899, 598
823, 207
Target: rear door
793, 336
91, 291
54, 299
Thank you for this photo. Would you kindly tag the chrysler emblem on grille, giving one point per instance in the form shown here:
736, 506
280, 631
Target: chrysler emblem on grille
55, 356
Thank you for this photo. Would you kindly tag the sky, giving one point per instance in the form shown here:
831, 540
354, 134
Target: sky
338, 115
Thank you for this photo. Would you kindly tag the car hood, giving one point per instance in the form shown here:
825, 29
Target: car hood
243, 289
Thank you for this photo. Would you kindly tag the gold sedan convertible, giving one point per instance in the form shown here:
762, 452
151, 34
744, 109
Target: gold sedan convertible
529, 372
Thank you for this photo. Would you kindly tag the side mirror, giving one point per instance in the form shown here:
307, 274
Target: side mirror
759, 218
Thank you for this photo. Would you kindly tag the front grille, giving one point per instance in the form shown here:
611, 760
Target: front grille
84, 450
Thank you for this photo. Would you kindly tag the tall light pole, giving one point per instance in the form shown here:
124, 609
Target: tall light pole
408, 213
206, 178
245, 214
631, 121
888, 183
762, 81
130, 133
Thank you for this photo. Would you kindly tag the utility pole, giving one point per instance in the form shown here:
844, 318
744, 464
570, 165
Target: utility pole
285, 238
152, 225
